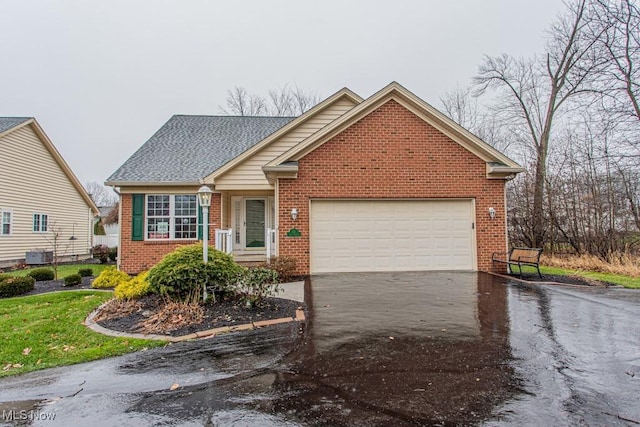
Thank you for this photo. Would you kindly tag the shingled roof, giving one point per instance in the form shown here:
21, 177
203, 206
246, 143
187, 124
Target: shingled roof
7, 123
188, 148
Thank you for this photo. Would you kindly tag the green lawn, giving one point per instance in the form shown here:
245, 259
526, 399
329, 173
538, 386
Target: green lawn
626, 281
43, 331
63, 270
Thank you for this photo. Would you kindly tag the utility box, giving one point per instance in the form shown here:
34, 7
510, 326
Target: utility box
38, 257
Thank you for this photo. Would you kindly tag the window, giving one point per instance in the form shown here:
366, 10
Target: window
5, 222
40, 223
172, 217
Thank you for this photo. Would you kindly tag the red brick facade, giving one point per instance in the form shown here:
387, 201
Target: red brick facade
138, 256
391, 153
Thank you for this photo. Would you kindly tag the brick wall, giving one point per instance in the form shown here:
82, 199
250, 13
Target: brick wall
137, 256
391, 153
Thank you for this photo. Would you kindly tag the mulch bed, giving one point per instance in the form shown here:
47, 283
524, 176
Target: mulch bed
219, 314
45, 286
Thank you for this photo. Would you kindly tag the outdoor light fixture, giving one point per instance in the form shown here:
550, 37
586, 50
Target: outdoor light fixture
204, 197
492, 213
294, 213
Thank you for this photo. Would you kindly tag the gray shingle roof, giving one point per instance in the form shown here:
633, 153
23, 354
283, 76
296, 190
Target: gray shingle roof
188, 148
7, 123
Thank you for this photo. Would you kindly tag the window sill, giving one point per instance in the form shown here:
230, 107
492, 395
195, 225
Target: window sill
169, 241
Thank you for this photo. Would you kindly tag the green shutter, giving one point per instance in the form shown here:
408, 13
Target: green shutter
199, 222
137, 225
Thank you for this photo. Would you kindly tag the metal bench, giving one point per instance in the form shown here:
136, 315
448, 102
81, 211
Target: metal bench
519, 257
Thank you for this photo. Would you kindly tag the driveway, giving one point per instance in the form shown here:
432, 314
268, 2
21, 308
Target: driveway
377, 349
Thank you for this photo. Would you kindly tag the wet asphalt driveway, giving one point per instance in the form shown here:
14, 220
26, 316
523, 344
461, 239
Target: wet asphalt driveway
377, 349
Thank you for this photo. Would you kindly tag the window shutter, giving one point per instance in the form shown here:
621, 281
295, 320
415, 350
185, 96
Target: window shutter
199, 222
137, 216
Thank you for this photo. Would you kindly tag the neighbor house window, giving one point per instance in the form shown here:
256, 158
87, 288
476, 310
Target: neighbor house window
5, 222
172, 216
40, 223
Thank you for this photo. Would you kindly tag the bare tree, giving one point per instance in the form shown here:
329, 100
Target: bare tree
101, 195
533, 91
283, 102
616, 30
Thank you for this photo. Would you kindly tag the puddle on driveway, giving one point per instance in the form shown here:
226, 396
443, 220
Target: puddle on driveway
378, 349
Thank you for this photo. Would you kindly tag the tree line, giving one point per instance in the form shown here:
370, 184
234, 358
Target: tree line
571, 116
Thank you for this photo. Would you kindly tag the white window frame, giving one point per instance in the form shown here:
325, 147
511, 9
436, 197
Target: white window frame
42, 224
2, 222
172, 218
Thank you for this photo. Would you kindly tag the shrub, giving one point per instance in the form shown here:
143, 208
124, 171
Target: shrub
134, 288
113, 254
15, 286
102, 253
4, 276
181, 274
72, 280
285, 266
40, 274
110, 278
85, 272
256, 284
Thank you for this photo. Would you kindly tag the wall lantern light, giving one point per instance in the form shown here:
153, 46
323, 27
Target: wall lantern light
294, 214
492, 213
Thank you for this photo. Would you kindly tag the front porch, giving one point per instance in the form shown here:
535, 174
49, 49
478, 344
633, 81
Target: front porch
248, 226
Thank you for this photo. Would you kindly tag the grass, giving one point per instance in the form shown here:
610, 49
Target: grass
64, 270
43, 331
618, 279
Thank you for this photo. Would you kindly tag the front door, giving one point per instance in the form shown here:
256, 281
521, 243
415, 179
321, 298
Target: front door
250, 218
254, 229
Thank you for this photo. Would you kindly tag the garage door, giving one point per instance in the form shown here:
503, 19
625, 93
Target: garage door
398, 235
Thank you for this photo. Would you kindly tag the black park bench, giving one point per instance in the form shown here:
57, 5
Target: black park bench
519, 257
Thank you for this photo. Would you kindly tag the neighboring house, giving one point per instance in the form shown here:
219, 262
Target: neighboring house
111, 229
39, 196
383, 184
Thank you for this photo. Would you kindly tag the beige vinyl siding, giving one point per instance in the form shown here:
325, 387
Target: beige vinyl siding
249, 174
31, 181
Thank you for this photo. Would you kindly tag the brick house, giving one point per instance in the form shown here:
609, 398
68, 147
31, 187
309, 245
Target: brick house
383, 184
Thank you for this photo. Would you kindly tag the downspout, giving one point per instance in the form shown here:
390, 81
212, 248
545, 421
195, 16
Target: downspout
119, 226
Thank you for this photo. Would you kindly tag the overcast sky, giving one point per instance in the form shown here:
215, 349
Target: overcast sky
102, 76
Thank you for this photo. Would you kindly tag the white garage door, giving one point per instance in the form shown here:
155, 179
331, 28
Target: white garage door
398, 235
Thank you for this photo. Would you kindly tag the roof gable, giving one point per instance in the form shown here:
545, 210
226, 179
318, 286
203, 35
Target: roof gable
497, 163
342, 94
19, 122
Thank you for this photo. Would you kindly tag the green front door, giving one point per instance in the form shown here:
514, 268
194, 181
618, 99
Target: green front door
254, 222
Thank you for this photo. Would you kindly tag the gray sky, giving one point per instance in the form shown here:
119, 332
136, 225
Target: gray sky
102, 76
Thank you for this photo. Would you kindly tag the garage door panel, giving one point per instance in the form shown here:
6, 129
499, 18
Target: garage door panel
394, 235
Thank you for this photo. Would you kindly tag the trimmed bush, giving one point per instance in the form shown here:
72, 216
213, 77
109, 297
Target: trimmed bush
102, 253
256, 284
15, 286
134, 288
181, 274
110, 278
285, 266
113, 254
40, 274
85, 272
4, 276
72, 280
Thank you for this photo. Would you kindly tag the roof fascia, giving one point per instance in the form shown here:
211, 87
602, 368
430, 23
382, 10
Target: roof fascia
416, 105
63, 165
343, 93
151, 184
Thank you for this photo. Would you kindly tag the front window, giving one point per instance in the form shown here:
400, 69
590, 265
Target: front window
40, 223
5, 223
172, 216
